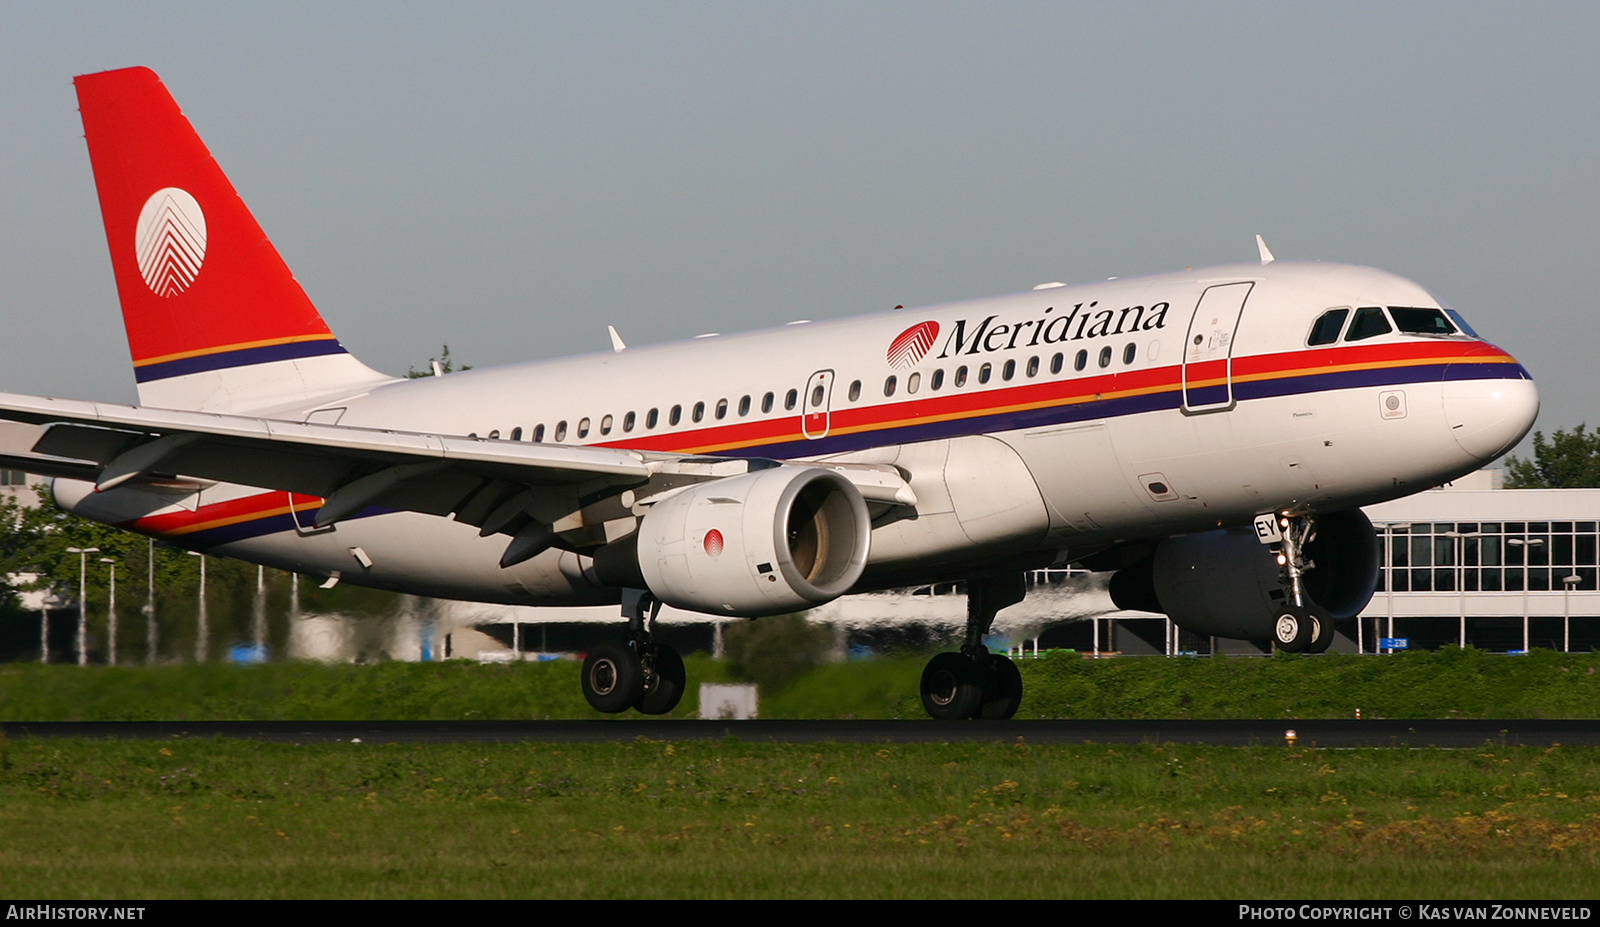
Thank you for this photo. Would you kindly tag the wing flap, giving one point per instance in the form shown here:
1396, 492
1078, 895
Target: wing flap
576, 497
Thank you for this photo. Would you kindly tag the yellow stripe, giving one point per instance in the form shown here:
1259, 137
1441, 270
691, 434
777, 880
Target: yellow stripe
1372, 365
1100, 397
241, 346
231, 520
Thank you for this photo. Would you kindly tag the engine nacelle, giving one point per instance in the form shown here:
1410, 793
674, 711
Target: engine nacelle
1226, 582
766, 543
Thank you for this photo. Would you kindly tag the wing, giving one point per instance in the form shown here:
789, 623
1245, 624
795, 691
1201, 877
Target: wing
541, 495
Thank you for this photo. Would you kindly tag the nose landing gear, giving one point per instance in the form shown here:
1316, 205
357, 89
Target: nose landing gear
1301, 626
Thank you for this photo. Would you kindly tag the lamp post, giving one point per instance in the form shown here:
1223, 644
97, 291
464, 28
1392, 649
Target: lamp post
83, 599
1388, 585
260, 610
150, 609
1528, 544
1461, 577
44, 626
111, 613
202, 644
1568, 583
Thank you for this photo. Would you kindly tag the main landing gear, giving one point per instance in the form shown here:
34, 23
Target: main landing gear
975, 683
636, 673
1301, 626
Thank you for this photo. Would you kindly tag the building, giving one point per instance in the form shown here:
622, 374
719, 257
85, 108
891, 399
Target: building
1496, 569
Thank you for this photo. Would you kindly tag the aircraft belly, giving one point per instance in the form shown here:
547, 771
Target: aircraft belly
1340, 448
1081, 478
422, 555
976, 500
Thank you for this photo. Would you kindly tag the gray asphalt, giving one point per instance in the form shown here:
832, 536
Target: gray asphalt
1324, 733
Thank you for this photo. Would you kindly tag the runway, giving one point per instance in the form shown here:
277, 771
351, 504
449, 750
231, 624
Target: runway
1307, 733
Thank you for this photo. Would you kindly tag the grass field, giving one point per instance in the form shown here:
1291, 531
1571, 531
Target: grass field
228, 819
1450, 683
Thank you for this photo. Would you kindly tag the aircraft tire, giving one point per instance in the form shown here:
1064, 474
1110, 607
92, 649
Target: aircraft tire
1002, 693
664, 683
952, 687
1322, 636
1292, 629
612, 677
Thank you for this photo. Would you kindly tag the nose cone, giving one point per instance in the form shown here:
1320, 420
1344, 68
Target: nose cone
1488, 417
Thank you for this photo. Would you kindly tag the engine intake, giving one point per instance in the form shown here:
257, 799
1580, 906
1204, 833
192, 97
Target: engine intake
1226, 583
764, 543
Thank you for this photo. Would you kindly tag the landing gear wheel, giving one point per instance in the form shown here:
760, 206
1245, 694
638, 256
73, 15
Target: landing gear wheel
664, 680
1292, 630
1322, 636
612, 677
1002, 690
952, 687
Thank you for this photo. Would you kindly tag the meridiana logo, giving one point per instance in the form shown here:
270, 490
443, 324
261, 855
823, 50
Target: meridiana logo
170, 241
912, 344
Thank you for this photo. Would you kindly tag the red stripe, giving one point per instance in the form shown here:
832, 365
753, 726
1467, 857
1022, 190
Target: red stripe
229, 511
969, 402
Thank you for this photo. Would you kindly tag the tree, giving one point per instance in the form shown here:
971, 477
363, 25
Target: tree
1569, 460
774, 652
446, 365
37, 543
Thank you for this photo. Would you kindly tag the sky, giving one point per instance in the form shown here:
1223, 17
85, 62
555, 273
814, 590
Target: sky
508, 179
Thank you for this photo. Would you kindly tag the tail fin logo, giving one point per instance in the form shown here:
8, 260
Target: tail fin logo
170, 241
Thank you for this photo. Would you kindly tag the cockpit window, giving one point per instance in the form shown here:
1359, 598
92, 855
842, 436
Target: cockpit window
1326, 329
1421, 321
1370, 322
1460, 322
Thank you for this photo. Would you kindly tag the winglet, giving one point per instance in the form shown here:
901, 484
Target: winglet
1266, 256
616, 339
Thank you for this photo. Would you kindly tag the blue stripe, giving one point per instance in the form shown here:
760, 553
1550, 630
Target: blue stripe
243, 357
1005, 421
258, 527
1132, 405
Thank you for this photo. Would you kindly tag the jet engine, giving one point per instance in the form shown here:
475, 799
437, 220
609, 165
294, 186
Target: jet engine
1227, 583
765, 543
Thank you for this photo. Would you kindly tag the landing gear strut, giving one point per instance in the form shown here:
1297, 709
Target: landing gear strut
1301, 626
975, 683
636, 673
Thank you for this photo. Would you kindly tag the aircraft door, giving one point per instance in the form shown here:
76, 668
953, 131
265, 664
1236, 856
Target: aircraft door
1208, 348
814, 404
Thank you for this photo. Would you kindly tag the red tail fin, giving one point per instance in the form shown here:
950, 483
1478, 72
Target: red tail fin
214, 317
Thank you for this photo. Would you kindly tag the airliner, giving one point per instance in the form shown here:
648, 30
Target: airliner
1209, 435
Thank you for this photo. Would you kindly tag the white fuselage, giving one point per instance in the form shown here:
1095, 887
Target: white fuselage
1032, 428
